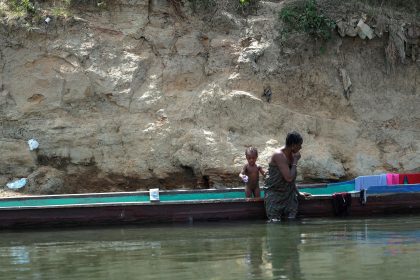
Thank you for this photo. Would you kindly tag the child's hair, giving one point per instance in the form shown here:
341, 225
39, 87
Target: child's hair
250, 151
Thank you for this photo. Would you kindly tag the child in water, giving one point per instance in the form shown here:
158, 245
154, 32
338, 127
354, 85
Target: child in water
250, 174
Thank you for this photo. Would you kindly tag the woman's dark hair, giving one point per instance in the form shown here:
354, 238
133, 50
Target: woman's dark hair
293, 138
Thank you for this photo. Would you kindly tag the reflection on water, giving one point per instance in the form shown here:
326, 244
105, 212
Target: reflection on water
309, 249
283, 250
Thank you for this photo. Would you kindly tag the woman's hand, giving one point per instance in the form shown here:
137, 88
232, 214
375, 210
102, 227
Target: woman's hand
305, 195
296, 157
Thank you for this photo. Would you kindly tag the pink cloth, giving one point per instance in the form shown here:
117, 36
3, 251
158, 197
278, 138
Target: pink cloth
392, 179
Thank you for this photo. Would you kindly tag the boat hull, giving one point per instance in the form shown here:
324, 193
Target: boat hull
132, 214
388, 204
194, 211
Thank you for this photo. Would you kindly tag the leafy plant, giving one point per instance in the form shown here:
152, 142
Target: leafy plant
248, 6
22, 6
306, 17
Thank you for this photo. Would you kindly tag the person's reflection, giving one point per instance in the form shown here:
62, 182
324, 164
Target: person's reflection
282, 242
254, 257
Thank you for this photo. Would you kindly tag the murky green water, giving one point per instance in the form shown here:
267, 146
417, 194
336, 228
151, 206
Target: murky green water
309, 249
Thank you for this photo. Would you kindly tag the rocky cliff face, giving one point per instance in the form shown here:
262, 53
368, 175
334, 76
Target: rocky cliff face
147, 94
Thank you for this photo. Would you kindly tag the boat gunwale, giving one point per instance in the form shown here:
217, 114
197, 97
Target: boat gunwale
354, 194
139, 203
157, 203
111, 194
141, 193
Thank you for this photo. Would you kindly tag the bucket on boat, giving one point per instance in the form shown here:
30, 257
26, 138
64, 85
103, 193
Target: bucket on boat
154, 194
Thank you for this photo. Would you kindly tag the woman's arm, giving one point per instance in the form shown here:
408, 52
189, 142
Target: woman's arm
288, 174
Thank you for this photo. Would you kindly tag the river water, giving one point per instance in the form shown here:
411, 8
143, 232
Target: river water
384, 248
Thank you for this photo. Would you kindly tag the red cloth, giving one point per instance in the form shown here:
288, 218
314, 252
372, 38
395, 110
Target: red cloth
341, 203
413, 178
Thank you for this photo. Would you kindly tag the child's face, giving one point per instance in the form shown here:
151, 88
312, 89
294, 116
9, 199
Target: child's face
252, 159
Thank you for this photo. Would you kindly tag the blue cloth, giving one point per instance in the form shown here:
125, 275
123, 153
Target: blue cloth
394, 189
365, 182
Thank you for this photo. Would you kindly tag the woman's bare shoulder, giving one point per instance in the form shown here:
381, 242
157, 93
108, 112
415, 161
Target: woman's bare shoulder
278, 155
279, 152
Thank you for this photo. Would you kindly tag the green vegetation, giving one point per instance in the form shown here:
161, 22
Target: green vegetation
31, 9
35, 8
247, 6
305, 16
21, 6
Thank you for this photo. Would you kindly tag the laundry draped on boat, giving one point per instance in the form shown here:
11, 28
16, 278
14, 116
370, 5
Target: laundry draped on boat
363, 197
411, 188
392, 179
413, 178
364, 182
280, 196
341, 203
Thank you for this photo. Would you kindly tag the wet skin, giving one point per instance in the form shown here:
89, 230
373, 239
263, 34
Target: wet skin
252, 170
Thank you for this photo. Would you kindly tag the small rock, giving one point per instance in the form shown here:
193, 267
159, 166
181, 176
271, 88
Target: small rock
364, 30
46, 180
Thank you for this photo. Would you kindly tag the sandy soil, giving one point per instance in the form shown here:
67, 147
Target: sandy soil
8, 193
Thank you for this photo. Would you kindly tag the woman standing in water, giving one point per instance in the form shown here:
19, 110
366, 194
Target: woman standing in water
281, 194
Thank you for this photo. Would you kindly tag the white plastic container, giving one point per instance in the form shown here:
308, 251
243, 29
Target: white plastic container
245, 179
33, 144
154, 195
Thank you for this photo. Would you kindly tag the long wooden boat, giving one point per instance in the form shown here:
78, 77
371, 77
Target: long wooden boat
197, 205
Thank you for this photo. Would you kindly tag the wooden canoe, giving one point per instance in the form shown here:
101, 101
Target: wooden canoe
189, 206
